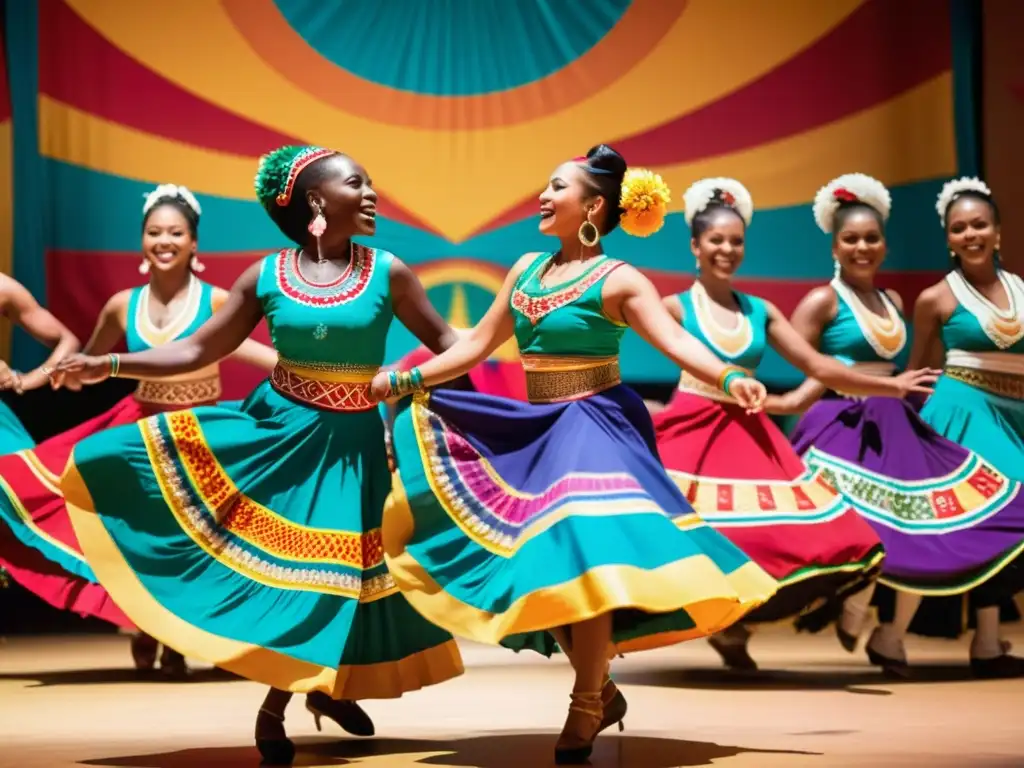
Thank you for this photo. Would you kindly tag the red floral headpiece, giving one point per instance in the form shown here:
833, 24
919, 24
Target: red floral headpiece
845, 195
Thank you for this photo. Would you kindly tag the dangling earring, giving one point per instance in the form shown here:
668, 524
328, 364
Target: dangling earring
197, 265
696, 268
144, 267
588, 233
317, 227
837, 269
952, 255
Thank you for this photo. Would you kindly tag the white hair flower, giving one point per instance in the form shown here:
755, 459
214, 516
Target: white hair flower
726, 191
850, 188
171, 192
953, 189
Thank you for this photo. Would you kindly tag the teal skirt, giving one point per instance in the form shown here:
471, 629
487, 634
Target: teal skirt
13, 436
251, 538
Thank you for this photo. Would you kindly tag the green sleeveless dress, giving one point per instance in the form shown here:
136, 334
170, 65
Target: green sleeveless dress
509, 519
38, 545
251, 538
745, 480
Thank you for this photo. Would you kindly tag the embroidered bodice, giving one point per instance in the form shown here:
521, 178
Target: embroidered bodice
567, 319
344, 322
977, 325
858, 335
742, 345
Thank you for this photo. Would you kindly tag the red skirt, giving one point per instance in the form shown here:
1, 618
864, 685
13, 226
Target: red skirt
38, 546
745, 480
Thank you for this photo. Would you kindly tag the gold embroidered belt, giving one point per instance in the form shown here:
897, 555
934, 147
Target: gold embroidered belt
327, 387
178, 394
551, 379
1009, 385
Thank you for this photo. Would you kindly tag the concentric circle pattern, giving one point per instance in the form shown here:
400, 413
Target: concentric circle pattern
460, 109
436, 47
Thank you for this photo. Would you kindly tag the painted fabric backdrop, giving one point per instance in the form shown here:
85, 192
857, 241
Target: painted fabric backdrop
460, 109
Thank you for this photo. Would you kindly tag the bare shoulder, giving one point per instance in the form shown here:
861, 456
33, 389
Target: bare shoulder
674, 305
820, 301
895, 298
937, 300
522, 264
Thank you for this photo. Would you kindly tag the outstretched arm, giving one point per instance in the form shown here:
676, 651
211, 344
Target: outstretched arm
21, 308
250, 351
834, 374
815, 310
633, 299
218, 337
472, 347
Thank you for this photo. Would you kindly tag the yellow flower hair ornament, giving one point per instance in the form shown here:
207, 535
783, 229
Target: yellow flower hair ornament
644, 202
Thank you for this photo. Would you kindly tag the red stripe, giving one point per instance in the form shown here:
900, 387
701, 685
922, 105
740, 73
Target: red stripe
725, 499
803, 501
946, 504
873, 55
985, 482
765, 498
81, 68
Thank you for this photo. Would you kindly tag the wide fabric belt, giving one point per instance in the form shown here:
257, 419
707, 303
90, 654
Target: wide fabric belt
553, 379
1009, 385
340, 388
179, 394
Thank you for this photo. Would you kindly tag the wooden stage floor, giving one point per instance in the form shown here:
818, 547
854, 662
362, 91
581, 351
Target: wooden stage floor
68, 701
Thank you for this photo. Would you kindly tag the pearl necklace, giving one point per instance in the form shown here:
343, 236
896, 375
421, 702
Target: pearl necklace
886, 335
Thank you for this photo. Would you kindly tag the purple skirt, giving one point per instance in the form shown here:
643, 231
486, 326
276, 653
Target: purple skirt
949, 520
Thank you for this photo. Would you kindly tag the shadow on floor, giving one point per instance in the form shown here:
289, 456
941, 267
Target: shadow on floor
498, 750
115, 677
793, 680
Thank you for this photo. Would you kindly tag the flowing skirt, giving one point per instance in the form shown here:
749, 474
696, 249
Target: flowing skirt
508, 519
950, 520
38, 546
745, 480
251, 538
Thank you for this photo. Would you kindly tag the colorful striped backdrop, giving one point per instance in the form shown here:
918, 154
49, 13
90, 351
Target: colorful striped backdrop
460, 110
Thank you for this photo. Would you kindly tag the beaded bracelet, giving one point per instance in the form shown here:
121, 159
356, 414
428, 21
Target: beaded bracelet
404, 382
728, 376
115, 365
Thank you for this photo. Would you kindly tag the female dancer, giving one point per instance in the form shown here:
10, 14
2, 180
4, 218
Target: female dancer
510, 521
173, 304
950, 521
251, 538
737, 469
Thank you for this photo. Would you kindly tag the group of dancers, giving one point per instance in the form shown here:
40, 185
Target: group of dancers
302, 540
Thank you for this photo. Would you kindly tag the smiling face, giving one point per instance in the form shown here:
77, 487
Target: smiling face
567, 201
972, 233
346, 197
720, 244
168, 243
859, 244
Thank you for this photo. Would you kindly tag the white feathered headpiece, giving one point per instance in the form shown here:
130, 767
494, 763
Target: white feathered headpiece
850, 188
724, 191
951, 190
171, 192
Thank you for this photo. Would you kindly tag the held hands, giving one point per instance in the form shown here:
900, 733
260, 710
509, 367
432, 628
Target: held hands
10, 379
75, 370
749, 393
917, 382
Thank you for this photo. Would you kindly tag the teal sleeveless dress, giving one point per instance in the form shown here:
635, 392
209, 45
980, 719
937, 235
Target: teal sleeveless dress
744, 479
950, 520
38, 545
509, 519
251, 537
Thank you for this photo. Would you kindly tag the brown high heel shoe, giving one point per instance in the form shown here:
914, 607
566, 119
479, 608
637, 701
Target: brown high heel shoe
271, 740
347, 714
144, 650
573, 748
173, 665
614, 705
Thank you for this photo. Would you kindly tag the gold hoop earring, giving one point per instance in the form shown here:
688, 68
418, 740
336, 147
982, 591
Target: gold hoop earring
588, 234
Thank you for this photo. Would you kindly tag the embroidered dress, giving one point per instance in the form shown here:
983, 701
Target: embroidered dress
745, 480
509, 518
950, 518
37, 543
251, 537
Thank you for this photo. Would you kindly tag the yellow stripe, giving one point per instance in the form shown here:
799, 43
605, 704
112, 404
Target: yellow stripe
333, 376
885, 141
29, 523
79, 138
372, 681
6, 225
229, 73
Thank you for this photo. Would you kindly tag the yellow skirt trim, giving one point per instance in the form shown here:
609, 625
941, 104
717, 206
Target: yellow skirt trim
373, 681
591, 594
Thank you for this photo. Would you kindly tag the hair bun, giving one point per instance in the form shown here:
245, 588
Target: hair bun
604, 158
